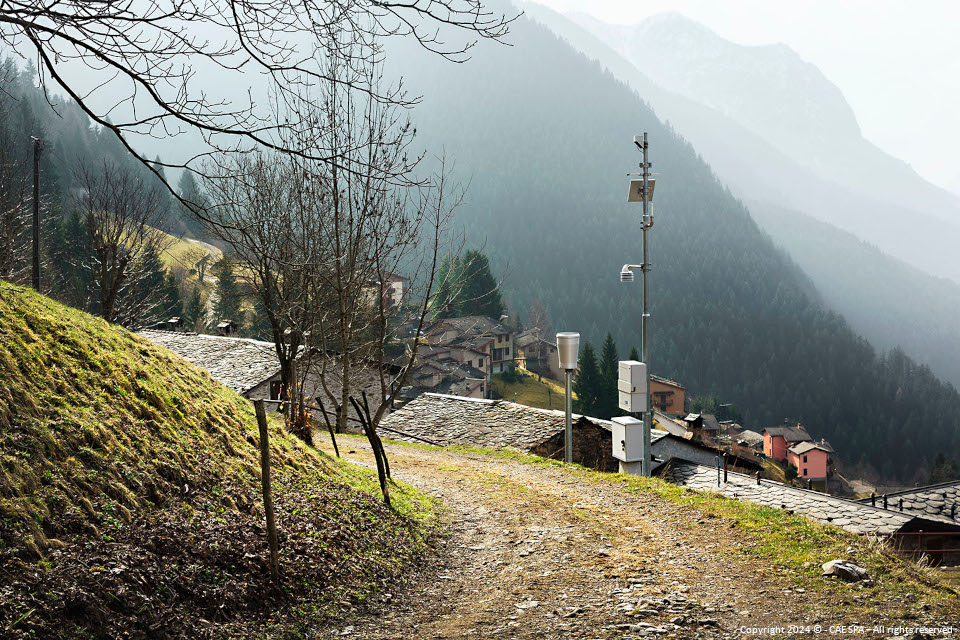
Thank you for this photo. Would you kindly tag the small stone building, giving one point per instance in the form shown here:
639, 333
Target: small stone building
448, 420
252, 368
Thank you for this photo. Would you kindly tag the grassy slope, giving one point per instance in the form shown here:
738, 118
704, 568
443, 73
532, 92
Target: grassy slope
110, 440
184, 253
545, 393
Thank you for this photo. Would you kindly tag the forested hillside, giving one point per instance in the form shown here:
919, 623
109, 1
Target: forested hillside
545, 138
69, 140
906, 307
890, 303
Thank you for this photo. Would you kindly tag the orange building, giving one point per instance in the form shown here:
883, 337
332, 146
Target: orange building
668, 395
810, 459
776, 440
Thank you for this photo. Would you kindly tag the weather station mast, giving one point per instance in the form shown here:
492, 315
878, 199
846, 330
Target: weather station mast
641, 190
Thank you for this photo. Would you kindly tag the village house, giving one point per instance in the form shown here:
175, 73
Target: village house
537, 355
447, 420
477, 332
776, 440
252, 369
810, 459
669, 396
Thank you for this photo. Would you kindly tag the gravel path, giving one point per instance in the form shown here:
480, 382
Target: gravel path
535, 552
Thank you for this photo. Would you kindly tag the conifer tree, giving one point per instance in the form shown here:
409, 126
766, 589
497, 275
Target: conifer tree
634, 354
609, 372
228, 305
194, 312
480, 296
587, 384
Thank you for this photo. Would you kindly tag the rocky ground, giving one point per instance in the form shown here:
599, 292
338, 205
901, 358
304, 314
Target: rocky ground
536, 552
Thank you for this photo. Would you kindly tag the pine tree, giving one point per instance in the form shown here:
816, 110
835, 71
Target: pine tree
587, 384
174, 303
634, 354
467, 288
480, 295
188, 189
228, 305
609, 372
194, 312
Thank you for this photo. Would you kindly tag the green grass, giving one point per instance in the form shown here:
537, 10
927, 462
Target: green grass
544, 393
99, 425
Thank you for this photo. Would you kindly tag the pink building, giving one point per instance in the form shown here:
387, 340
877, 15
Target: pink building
776, 440
810, 459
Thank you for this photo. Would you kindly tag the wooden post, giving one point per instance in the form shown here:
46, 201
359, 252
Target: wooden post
267, 494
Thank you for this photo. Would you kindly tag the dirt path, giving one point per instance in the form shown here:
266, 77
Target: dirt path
538, 553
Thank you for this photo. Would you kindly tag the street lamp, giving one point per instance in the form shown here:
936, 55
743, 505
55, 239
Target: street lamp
642, 191
568, 351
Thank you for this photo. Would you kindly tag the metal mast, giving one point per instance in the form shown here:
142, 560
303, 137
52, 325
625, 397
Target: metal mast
647, 223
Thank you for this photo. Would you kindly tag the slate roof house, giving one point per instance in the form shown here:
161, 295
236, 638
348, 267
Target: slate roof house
451, 420
910, 532
537, 355
250, 367
810, 459
478, 332
776, 440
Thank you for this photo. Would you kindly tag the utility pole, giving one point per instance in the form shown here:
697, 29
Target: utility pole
37, 148
647, 222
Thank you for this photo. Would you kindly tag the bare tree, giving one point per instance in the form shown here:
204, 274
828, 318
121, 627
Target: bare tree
165, 58
122, 216
322, 240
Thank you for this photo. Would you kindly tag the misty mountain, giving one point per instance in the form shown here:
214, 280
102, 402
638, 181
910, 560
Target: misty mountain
544, 136
886, 299
748, 111
774, 93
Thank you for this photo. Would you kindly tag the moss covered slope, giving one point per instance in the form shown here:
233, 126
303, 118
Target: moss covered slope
95, 420
122, 464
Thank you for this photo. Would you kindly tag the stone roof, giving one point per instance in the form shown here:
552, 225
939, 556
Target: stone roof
752, 438
848, 514
668, 381
710, 422
670, 425
239, 363
790, 434
803, 447
470, 325
454, 420
932, 500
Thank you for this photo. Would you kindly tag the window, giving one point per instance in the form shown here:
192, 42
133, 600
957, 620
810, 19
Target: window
499, 338
804, 472
469, 363
480, 363
506, 351
804, 458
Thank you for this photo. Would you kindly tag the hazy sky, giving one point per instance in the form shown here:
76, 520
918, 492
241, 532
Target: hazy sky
897, 63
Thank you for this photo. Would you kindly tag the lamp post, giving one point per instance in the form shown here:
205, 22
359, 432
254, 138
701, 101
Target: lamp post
642, 191
568, 349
